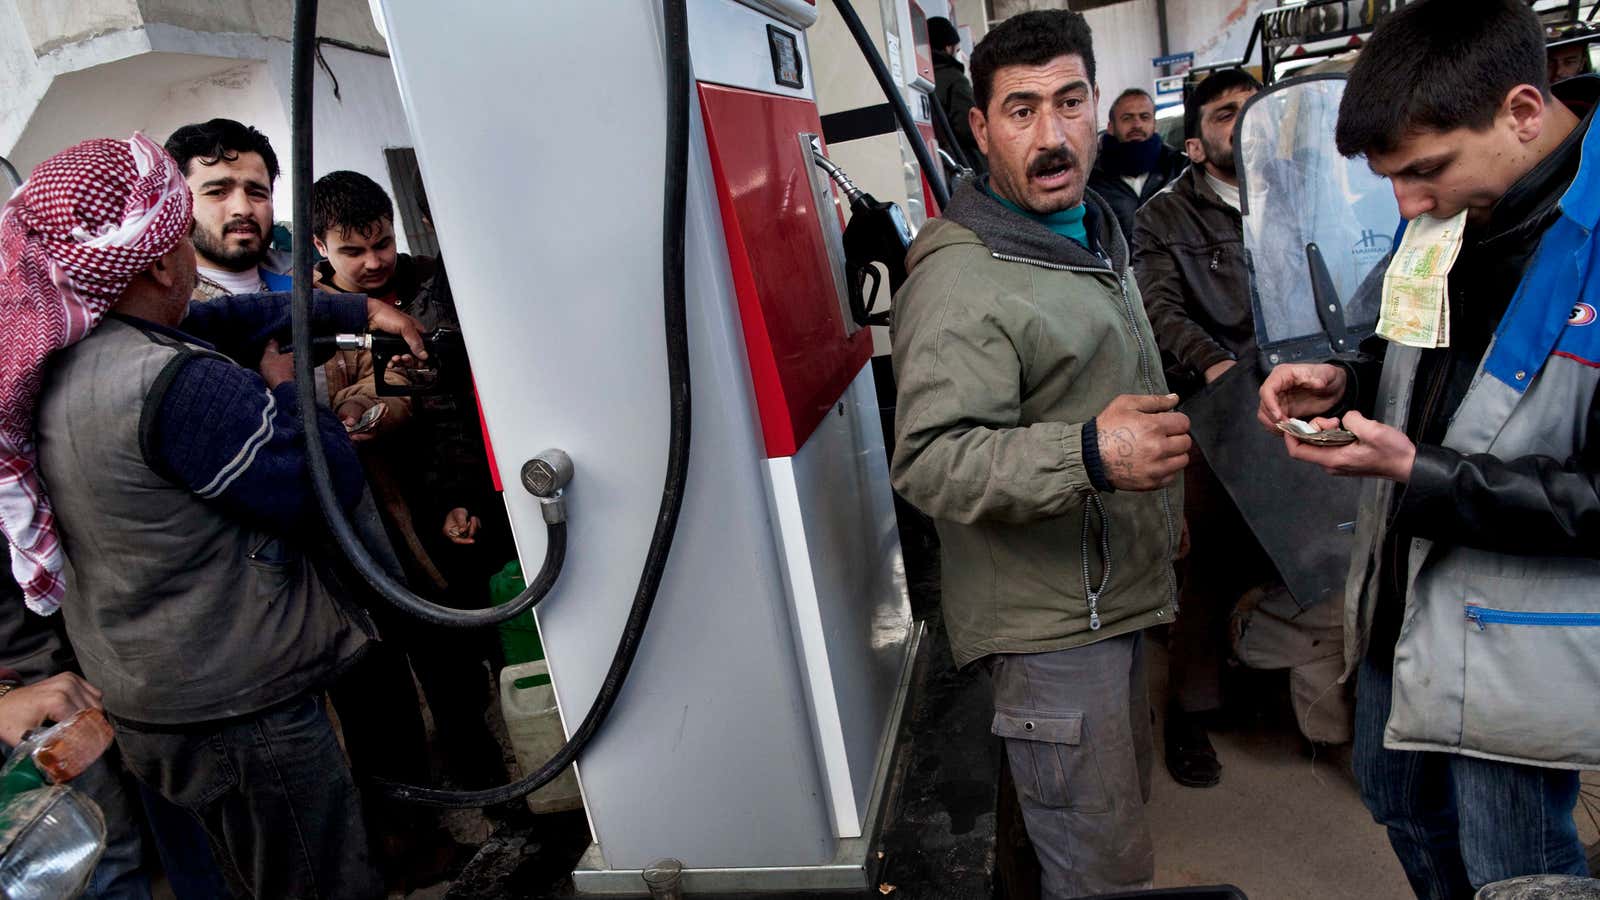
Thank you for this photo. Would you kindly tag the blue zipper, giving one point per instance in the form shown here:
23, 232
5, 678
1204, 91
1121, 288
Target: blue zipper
1482, 615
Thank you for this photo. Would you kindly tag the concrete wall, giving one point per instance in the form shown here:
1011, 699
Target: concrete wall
1127, 36
51, 23
346, 20
158, 76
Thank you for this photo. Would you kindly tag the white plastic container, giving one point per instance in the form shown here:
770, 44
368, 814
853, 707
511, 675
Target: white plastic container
529, 705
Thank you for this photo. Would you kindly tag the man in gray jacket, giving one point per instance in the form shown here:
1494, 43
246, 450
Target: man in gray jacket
1471, 608
1035, 427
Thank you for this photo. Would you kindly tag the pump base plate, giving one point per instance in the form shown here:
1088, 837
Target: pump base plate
854, 864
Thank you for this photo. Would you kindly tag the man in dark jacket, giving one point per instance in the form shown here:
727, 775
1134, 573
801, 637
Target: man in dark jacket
1189, 258
952, 89
1133, 165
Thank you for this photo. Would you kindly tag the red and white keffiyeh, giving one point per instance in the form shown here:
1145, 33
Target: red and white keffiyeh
72, 238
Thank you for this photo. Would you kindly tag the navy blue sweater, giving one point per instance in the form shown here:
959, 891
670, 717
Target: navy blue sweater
220, 432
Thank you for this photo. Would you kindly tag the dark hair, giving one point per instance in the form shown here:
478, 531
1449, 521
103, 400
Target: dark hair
941, 33
1439, 65
348, 201
1222, 81
1130, 92
1029, 39
220, 139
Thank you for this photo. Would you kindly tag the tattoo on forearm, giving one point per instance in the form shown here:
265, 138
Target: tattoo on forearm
1116, 452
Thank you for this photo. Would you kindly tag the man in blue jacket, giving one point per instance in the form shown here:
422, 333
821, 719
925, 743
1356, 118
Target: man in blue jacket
1475, 569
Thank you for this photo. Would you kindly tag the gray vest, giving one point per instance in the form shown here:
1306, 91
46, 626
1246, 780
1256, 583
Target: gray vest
177, 611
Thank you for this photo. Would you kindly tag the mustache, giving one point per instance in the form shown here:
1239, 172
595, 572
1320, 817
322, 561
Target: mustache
241, 225
1054, 158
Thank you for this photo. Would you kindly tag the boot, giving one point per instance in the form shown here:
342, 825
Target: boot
1191, 759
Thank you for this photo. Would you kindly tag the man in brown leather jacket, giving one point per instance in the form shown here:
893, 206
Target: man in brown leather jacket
1189, 259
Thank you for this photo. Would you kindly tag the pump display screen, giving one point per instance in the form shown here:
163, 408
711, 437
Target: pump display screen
785, 57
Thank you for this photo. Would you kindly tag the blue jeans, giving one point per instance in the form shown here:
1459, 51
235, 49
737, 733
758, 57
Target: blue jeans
1458, 822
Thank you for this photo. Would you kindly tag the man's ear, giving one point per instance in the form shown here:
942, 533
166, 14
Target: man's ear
1523, 109
163, 270
1195, 150
321, 247
979, 123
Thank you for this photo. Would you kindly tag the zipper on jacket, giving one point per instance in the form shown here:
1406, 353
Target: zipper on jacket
1482, 615
1150, 388
1061, 267
1090, 592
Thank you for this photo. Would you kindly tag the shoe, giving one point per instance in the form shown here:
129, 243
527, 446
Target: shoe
1191, 759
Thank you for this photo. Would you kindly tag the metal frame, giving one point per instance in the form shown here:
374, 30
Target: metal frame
1281, 27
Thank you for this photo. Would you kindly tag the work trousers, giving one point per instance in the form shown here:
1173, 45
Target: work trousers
1457, 822
1076, 725
1224, 561
274, 795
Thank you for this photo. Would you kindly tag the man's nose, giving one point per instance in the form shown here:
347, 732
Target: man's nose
238, 205
1052, 132
1413, 201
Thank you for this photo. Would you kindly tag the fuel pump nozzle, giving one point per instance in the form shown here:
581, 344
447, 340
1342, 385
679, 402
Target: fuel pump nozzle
447, 359
877, 233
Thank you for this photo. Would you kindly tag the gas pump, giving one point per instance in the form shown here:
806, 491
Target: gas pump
755, 738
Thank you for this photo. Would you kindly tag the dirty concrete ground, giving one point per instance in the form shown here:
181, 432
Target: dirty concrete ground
1280, 826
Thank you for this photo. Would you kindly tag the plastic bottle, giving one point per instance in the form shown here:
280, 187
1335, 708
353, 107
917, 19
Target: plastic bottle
519, 637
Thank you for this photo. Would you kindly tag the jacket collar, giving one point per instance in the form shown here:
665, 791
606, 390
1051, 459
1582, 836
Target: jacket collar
1192, 186
1581, 200
1007, 233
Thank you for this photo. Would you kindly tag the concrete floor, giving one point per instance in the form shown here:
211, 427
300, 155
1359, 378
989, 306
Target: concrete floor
1279, 827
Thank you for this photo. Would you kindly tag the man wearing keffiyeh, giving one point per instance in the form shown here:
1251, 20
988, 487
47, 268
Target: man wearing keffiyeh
154, 487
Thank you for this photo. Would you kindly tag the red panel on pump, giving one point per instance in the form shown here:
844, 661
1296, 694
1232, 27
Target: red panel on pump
794, 332
930, 204
919, 34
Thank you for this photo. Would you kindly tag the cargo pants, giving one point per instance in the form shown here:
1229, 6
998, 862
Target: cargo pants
1076, 726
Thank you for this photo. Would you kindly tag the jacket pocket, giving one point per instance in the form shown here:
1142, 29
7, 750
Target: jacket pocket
271, 561
1052, 765
1529, 686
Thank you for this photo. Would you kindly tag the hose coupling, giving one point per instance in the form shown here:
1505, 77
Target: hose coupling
546, 476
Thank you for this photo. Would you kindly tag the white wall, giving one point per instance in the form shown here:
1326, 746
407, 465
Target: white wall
1214, 30
239, 77
1126, 37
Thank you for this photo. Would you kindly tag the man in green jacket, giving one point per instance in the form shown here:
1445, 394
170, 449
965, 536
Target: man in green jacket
1035, 427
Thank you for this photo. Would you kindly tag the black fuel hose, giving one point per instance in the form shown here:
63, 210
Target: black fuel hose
301, 74
675, 20
897, 102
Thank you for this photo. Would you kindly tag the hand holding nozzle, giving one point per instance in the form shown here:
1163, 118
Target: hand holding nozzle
443, 349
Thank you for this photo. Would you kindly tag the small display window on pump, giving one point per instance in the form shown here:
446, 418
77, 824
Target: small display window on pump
785, 57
